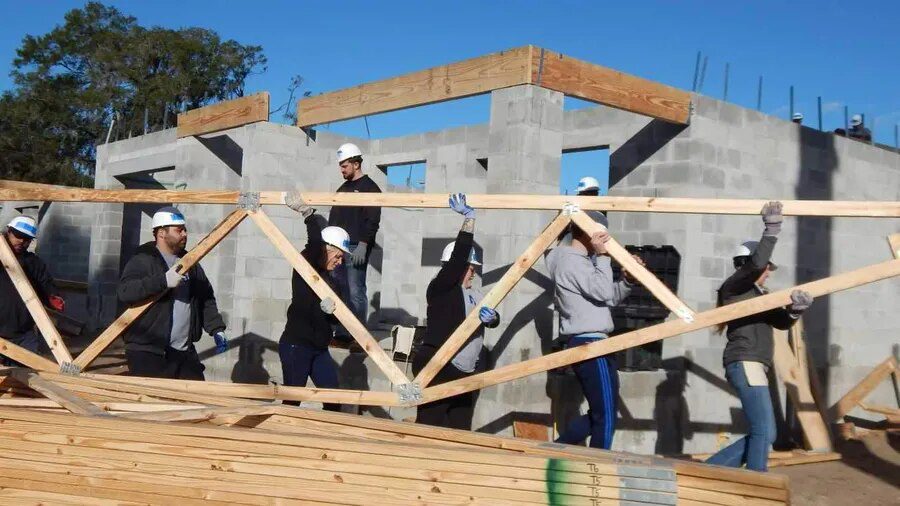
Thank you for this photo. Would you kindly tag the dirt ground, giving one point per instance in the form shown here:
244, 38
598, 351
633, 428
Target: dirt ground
868, 474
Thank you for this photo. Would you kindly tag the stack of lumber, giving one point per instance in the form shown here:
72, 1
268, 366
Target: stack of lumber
92, 440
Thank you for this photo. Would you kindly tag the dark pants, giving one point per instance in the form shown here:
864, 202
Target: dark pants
174, 364
752, 449
453, 412
351, 285
599, 379
29, 340
299, 362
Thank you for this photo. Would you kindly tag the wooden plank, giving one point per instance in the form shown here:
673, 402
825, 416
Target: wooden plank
796, 382
323, 290
894, 243
131, 314
863, 388
455, 80
56, 393
595, 83
661, 331
805, 458
224, 115
493, 298
200, 414
26, 357
33, 303
891, 414
643, 276
75, 286
531, 430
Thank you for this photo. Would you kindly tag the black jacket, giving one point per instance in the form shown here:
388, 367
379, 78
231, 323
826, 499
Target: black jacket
360, 222
306, 322
750, 337
15, 319
145, 276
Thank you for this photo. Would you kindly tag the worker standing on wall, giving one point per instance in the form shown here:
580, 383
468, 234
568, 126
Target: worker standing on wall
583, 292
303, 347
160, 343
361, 223
16, 323
748, 354
450, 297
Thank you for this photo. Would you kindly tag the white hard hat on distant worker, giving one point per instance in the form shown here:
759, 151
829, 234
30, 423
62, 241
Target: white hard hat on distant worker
448, 251
337, 237
797, 116
587, 183
747, 248
856, 120
348, 150
167, 217
24, 224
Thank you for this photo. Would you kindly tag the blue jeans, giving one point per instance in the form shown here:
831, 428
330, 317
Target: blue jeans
30, 340
351, 284
599, 378
300, 361
752, 449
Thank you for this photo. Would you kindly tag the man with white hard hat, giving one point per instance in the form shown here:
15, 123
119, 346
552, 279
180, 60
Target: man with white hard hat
797, 118
16, 323
361, 223
858, 130
588, 186
161, 342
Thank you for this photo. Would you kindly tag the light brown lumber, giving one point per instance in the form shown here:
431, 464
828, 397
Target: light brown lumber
863, 388
224, 115
640, 273
456, 80
26, 357
723, 497
494, 297
805, 458
595, 83
199, 414
130, 315
671, 328
17, 496
120, 196
56, 393
741, 489
796, 382
33, 303
891, 414
894, 243
131, 407
323, 290
76, 286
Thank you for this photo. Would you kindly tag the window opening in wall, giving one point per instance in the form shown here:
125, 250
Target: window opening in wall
482, 162
582, 162
405, 176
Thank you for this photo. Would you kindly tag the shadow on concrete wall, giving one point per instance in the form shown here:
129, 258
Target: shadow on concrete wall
225, 149
641, 146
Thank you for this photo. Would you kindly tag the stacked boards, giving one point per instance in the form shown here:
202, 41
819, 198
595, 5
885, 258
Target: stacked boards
158, 448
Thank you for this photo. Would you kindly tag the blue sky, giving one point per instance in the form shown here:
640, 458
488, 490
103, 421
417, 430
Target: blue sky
846, 52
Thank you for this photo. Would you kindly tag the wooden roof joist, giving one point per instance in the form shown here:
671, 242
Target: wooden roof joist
475, 76
224, 115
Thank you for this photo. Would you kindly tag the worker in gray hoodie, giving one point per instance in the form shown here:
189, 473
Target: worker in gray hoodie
583, 292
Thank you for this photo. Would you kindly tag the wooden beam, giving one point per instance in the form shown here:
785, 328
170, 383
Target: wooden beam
224, 115
643, 276
863, 388
602, 85
33, 303
26, 357
323, 290
894, 243
131, 314
661, 331
75, 286
493, 298
456, 80
201, 414
120, 196
56, 393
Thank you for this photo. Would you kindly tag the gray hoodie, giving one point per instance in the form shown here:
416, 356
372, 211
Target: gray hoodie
583, 292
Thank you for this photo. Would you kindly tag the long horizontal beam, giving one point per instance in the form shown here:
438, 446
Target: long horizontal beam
224, 115
831, 208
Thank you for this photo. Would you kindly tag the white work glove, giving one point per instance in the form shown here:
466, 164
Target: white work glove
772, 218
327, 305
358, 257
293, 200
173, 278
800, 302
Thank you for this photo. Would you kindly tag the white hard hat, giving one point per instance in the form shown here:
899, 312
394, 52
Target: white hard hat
747, 248
337, 237
856, 119
167, 216
587, 183
797, 115
448, 250
348, 150
25, 225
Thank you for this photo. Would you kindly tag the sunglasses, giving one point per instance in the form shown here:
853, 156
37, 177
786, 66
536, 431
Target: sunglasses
19, 235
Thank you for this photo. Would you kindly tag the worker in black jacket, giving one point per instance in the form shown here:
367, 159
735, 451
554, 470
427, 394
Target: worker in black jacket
361, 224
748, 354
160, 343
16, 323
303, 347
450, 297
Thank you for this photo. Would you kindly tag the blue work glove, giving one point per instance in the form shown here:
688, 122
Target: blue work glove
221, 342
358, 257
458, 204
487, 315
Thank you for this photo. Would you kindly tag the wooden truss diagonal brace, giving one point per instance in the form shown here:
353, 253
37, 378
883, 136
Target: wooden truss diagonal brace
56, 393
894, 243
493, 298
323, 290
131, 314
863, 388
645, 277
26, 357
661, 331
33, 303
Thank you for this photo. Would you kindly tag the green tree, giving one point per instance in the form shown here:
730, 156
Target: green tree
100, 65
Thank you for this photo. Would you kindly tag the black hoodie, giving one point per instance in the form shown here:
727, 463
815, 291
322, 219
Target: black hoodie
15, 319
